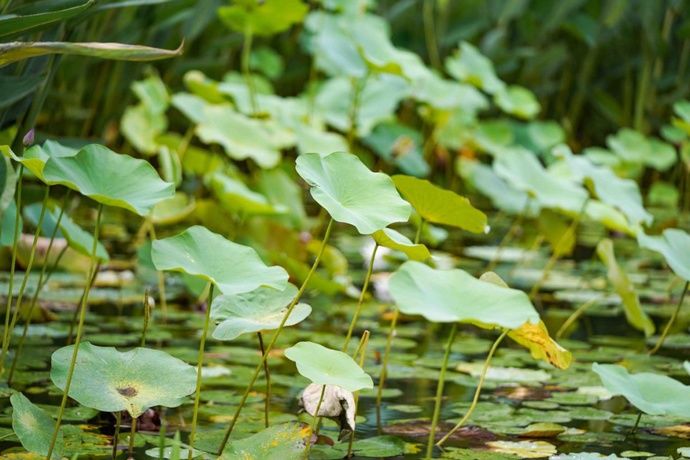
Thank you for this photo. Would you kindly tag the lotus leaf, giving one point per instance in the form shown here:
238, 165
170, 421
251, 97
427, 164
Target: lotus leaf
392, 239
34, 427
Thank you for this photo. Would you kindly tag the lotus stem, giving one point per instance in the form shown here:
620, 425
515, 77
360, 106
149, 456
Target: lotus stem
361, 352
671, 320
75, 316
161, 436
315, 423
116, 435
475, 399
290, 307
80, 330
147, 319
358, 309
199, 367
161, 278
357, 90
13, 263
246, 56
430, 34
507, 238
418, 235
42, 280
439, 392
267, 373
132, 433
384, 367
635, 426
575, 315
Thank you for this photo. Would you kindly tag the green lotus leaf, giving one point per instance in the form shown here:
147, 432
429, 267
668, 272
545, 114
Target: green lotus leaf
522, 170
267, 17
609, 217
34, 427
237, 197
393, 239
109, 178
232, 267
153, 93
634, 313
173, 210
634, 147
653, 394
259, 310
470, 66
141, 128
674, 245
285, 441
77, 238
449, 296
109, 380
36, 157
351, 193
324, 366
518, 101
623, 194
398, 145
440, 206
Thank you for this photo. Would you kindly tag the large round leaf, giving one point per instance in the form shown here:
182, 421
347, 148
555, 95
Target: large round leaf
351, 193
230, 266
653, 394
111, 381
110, 178
449, 296
258, 310
440, 206
674, 245
324, 366
34, 427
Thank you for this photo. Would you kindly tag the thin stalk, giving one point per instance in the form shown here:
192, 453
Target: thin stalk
267, 373
75, 316
288, 312
642, 92
357, 90
199, 366
42, 280
358, 309
418, 235
439, 392
361, 352
671, 320
147, 319
430, 35
132, 432
161, 278
517, 222
80, 331
574, 316
315, 423
246, 55
635, 426
384, 367
475, 399
13, 263
161, 437
116, 435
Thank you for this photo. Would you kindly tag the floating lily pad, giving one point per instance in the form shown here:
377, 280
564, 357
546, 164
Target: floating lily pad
255, 311
324, 366
111, 381
351, 193
230, 266
34, 427
285, 441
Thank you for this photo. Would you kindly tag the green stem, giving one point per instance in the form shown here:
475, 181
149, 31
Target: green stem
80, 331
642, 92
361, 352
42, 280
246, 55
315, 423
132, 433
161, 278
384, 367
430, 35
418, 235
357, 90
199, 366
25, 279
13, 263
475, 399
161, 436
267, 403
635, 426
290, 307
505, 240
671, 320
147, 319
358, 309
574, 316
116, 435
439, 392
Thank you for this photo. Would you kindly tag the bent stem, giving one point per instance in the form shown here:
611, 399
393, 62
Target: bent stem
358, 309
267, 403
80, 331
475, 399
315, 423
13, 263
439, 392
288, 312
633, 430
361, 352
199, 366
671, 320
575, 315
42, 280
384, 367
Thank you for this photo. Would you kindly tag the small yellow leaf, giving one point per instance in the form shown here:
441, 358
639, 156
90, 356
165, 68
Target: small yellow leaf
535, 337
